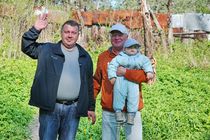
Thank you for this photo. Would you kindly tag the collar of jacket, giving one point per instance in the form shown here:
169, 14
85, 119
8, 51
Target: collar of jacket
57, 49
111, 53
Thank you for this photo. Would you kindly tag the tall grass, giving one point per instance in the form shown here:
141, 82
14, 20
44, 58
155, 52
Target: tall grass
16, 17
191, 55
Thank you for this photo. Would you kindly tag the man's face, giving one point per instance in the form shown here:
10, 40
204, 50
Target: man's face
69, 35
118, 39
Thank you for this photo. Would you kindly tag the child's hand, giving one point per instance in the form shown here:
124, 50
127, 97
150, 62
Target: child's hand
150, 82
112, 81
150, 77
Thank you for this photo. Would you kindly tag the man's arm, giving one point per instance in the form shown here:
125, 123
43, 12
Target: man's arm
91, 110
137, 76
91, 99
97, 79
29, 45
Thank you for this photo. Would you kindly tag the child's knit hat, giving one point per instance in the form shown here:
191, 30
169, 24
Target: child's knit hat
130, 42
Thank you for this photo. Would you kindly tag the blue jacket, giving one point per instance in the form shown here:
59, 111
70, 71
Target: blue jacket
137, 61
48, 73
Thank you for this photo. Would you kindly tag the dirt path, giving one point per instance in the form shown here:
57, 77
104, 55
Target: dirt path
34, 129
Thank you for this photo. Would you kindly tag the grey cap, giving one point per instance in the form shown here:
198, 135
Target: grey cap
130, 42
119, 27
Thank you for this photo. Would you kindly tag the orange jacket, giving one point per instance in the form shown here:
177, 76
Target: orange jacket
102, 83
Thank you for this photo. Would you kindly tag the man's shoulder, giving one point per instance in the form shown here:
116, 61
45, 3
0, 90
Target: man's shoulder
104, 53
48, 45
82, 50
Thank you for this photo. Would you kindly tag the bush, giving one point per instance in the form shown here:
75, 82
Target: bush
15, 114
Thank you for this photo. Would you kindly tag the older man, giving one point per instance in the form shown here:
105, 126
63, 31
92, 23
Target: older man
119, 35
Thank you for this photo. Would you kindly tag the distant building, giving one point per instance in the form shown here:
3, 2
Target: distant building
191, 25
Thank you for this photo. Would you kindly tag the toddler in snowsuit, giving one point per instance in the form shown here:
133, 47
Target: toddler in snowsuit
127, 91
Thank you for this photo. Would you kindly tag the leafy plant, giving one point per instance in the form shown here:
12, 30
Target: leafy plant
15, 114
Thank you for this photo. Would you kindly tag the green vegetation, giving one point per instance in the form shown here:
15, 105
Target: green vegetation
176, 106
15, 114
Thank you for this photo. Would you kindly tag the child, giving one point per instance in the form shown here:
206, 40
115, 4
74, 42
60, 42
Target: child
125, 90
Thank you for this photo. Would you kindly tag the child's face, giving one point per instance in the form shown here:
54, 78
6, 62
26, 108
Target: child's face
132, 50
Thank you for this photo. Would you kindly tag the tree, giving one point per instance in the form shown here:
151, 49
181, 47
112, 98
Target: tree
181, 6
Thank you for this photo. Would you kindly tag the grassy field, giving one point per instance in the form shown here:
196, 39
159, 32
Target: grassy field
177, 106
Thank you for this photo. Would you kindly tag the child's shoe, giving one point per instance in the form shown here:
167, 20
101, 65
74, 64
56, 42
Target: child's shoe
130, 118
119, 116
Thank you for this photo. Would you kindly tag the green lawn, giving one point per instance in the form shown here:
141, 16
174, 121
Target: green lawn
177, 106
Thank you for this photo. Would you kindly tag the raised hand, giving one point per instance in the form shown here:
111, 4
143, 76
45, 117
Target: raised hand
41, 22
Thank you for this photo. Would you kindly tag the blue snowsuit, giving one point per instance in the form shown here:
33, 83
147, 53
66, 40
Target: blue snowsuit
124, 89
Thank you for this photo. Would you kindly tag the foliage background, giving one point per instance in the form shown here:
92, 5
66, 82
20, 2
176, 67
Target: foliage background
176, 106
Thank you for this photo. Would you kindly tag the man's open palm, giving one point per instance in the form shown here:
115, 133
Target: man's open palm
41, 22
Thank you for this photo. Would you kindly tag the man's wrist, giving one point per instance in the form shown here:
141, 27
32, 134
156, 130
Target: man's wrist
36, 30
